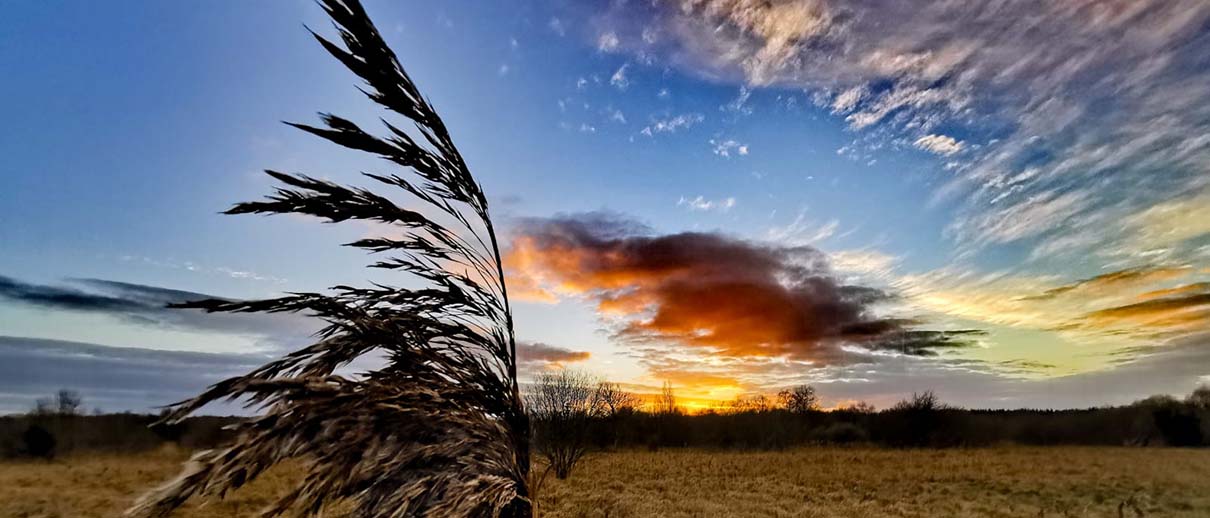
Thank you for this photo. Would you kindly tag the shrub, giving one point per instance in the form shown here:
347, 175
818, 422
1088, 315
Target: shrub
39, 442
842, 433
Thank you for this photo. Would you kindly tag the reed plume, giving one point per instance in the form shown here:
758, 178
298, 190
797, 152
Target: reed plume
439, 429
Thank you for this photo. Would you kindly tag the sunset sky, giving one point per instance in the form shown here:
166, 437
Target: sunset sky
1006, 203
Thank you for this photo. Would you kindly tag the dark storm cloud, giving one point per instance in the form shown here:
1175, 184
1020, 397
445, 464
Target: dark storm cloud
111, 378
733, 297
64, 298
147, 305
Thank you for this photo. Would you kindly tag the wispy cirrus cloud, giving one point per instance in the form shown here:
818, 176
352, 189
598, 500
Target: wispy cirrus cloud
1058, 104
672, 124
1138, 309
700, 203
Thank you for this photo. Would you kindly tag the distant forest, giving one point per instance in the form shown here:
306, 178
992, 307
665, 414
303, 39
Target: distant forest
57, 426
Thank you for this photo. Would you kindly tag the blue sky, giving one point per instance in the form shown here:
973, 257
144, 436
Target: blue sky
1034, 171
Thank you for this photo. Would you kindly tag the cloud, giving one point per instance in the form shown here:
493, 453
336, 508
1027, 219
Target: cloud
1175, 369
112, 378
939, 144
1166, 315
1166, 226
725, 148
607, 42
673, 124
194, 267
557, 27
1114, 281
536, 356
1131, 307
619, 79
712, 296
702, 204
802, 231
739, 105
1075, 114
147, 306
849, 99
871, 263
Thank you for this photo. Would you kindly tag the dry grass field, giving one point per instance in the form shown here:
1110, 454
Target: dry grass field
821, 482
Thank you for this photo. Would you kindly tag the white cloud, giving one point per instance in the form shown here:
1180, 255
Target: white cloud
739, 105
673, 124
556, 25
607, 42
617, 116
619, 79
1108, 98
943, 145
725, 148
848, 99
700, 203
865, 263
802, 231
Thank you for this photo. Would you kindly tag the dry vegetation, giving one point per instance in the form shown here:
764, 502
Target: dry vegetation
1012, 481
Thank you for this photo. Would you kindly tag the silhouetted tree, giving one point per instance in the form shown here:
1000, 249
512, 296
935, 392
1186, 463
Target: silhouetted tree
665, 403
619, 409
562, 407
756, 403
917, 421
1200, 397
616, 401
860, 407
65, 402
799, 400
440, 429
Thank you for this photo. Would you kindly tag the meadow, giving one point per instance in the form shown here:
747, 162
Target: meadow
821, 482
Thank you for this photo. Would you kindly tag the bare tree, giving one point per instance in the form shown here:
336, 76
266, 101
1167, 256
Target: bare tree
562, 405
440, 428
665, 404
65, 402
799, 400
1200, 397
752, 403
616, 401
926, 401
860, 407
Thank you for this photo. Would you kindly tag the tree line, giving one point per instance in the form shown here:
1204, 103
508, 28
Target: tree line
573, 415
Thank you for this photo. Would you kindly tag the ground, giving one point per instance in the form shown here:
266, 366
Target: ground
821, 482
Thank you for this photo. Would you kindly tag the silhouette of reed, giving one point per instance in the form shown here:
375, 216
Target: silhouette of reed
440, 429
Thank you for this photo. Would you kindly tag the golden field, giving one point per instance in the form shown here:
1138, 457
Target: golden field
824, 482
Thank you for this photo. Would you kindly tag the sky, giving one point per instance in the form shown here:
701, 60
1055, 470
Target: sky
1006, 203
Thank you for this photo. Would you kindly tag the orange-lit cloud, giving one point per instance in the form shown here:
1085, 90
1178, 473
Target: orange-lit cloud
709, 292
1167, 315
1114, 282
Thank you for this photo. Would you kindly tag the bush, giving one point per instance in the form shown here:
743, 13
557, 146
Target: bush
842, 433
38, 442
